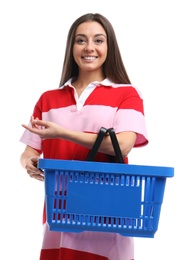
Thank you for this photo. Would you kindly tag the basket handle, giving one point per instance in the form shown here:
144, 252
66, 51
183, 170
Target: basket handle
92, 153
115, 144
103, 131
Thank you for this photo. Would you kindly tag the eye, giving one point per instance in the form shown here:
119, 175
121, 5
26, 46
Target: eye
99, 41
80, 40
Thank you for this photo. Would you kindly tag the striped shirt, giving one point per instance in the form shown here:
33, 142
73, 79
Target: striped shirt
102, 104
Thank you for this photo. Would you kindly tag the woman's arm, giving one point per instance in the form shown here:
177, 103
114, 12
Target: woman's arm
46, 130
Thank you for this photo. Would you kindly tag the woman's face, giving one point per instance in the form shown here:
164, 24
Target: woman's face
90, 46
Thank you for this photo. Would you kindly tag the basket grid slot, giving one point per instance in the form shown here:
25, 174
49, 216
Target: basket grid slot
150, 189
107, 179
103, 222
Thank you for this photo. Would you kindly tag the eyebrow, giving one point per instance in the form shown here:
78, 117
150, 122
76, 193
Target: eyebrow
96, 35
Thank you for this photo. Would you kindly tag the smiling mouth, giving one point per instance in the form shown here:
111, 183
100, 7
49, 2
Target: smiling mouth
89, 58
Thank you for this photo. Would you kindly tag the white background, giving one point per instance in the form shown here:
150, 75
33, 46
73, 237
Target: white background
153, 41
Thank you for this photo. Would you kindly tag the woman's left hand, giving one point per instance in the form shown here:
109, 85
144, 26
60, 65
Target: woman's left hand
44, 129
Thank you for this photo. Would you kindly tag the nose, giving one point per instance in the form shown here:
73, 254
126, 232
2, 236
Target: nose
89, 47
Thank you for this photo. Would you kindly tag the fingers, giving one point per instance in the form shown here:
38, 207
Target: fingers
45, 129
38, 123
32, 170
34, 129
38, 175
33, 122
31, 129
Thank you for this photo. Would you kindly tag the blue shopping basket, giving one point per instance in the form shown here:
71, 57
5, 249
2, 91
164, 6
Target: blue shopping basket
100, 196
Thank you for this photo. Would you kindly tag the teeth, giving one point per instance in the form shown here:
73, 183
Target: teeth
89, 58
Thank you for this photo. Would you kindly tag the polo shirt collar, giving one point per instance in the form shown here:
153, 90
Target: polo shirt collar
105, 82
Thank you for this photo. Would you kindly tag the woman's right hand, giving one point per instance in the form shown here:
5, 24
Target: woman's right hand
32, 169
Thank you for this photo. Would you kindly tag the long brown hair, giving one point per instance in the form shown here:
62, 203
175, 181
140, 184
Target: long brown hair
113, 67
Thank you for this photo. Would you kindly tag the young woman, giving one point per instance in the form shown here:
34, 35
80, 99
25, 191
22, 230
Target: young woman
94, 92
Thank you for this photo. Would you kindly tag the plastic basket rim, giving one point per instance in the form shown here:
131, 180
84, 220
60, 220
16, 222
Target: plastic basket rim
103, 167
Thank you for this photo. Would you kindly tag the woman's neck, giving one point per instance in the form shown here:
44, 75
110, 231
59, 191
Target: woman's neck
84, 79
